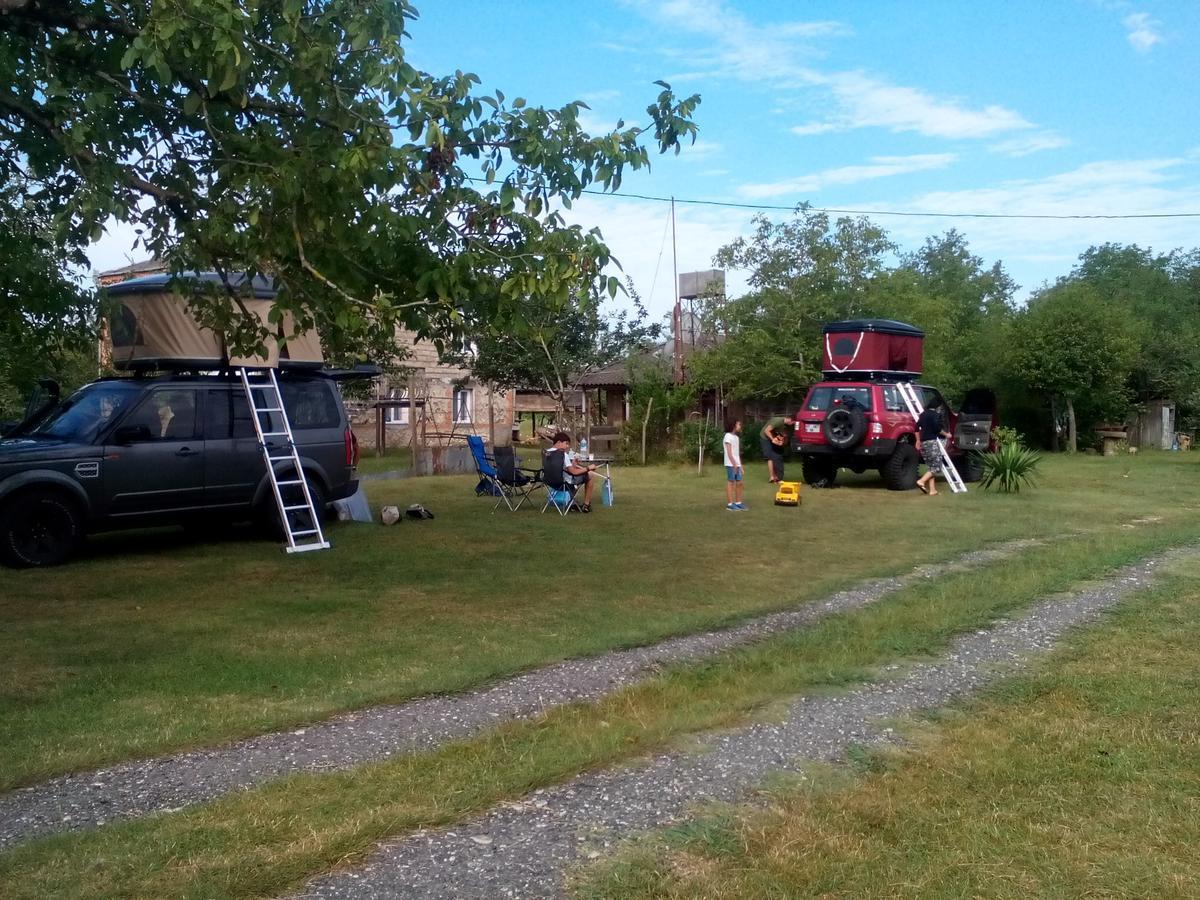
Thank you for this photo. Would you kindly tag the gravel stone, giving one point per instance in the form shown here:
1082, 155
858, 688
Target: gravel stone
171, 783
535, 842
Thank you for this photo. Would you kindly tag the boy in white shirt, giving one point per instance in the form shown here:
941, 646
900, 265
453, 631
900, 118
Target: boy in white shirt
734, 485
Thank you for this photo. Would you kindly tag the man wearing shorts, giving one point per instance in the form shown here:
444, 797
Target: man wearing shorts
734, 485
774, 436
929, 429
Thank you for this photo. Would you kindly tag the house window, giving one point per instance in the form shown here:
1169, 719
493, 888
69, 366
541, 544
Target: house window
464, 406
397, 415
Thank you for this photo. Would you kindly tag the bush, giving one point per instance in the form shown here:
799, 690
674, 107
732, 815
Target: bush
1009, 468
1003, 434
713, 437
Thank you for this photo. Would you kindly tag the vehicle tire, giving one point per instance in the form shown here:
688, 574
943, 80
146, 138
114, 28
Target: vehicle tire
901, 469
267, 514
845, 428
38, 528
818, 473
970, 467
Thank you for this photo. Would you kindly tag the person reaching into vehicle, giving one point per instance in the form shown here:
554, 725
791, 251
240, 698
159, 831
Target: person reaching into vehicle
773, 438
929, 429
734, 473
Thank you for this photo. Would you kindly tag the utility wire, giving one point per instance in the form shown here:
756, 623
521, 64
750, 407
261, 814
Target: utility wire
886, 212
883, 212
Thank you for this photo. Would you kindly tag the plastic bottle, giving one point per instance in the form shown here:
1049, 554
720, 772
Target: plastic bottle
583, 448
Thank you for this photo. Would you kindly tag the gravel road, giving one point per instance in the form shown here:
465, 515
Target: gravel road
523, 849
170, 783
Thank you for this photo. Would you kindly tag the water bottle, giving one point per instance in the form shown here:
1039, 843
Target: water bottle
583, 448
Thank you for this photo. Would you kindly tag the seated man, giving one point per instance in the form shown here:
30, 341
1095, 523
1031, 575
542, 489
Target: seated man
573, 471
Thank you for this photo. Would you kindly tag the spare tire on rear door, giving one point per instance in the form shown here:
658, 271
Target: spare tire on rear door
845, 427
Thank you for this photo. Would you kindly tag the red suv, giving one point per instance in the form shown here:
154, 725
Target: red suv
860, 425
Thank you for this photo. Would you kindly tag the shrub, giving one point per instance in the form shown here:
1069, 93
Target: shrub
1009, 468
1003, 434
713, 437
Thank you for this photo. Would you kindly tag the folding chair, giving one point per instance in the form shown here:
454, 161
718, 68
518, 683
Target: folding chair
516, 484
560, 490
485, 467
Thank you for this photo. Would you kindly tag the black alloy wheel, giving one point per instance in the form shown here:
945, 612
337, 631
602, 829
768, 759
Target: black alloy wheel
39, 528
845, 428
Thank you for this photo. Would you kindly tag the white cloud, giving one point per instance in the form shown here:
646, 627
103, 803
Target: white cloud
877, 167
1029, 144
782, 55
868, 102
638, 233
1034, 249
1143, 31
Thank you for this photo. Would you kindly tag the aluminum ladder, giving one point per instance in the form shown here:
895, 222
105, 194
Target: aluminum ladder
909, 395
298, 516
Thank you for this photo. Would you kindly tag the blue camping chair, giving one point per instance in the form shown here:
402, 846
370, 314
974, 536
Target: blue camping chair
485, 468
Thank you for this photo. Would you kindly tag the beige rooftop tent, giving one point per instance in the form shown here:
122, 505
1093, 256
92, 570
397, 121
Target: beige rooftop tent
151, 327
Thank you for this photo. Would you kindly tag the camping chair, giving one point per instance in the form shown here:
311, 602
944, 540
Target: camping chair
516, 484
560, 490
485, 468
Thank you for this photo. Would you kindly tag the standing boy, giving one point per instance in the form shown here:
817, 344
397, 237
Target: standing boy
929, 429
734, 485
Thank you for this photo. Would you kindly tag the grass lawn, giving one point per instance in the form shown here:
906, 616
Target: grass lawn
155, 642
393, 459
1078, 780
267, 840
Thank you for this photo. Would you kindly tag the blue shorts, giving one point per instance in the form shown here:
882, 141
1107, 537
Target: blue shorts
733, 473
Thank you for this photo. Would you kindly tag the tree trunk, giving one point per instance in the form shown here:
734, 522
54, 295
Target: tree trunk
1054, 448
645, 422
1071, 446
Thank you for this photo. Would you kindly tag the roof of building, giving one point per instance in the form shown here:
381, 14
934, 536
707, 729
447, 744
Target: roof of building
146, 266
620, 373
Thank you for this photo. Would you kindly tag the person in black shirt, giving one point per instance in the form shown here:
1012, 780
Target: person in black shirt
929, 429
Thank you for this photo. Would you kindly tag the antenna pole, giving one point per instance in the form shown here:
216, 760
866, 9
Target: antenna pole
677, 312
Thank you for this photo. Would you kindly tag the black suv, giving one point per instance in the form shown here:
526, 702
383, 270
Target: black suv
165, 449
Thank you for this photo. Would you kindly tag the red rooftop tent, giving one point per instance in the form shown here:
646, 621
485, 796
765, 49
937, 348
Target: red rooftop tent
865, 348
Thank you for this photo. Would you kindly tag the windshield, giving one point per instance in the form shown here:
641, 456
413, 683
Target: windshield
81, 417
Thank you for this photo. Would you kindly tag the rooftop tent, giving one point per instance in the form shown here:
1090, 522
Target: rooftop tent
862, 347
151, 327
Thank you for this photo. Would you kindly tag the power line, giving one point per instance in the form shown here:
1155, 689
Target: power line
882, 212
729, 204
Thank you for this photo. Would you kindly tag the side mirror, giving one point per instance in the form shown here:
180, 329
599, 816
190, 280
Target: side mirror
132, 434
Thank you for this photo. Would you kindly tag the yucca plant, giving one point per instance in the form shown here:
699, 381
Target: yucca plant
1009, 468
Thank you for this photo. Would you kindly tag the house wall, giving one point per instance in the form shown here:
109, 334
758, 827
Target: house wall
437, 383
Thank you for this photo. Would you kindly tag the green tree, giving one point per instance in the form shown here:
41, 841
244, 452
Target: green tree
295, 138
803, 273
964, 307
554, 345
1162, 294
47, 322
1077, 350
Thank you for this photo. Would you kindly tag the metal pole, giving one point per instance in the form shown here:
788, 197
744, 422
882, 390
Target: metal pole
677, 313
412, 424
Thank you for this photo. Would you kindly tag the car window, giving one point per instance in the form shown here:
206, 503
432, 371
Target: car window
227, 415
166, 414
825, 398
310, 404
818, 400
87, 412
930, 397
892, 401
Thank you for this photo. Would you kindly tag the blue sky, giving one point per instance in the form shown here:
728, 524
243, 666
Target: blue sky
1078, 107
